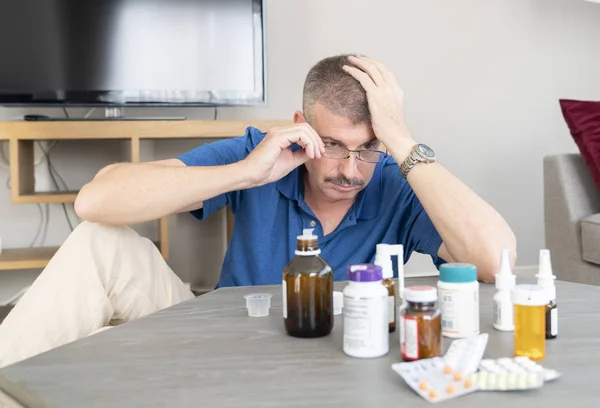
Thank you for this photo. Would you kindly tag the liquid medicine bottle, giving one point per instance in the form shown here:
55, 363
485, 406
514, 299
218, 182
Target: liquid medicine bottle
420, 324
503, 307
458, 294
530, 321
308, 290
365, 313
383, 258
545, 279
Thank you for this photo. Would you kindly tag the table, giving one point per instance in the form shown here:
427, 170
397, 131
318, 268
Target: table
207, 352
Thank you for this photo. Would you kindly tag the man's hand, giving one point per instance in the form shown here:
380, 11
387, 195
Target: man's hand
386, 106
273, 159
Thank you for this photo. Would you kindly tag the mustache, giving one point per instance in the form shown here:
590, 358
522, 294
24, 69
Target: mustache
341, 180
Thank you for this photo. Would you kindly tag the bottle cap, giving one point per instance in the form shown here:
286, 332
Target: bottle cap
529, 295
364, 273
544, 275
505, 279
307, 234
307, 243
458, 273
420, 294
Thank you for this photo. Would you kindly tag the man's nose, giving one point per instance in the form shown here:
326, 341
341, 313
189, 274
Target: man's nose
349, 167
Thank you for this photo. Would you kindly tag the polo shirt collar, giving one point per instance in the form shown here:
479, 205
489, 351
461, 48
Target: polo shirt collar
368, 201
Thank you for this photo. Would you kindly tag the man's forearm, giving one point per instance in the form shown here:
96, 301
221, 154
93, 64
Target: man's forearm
131, 193
472, 231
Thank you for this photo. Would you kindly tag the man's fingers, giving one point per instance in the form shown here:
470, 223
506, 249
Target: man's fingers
361, 76
370, 68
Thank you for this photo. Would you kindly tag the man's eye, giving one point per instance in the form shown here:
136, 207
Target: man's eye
330, 144
372, 146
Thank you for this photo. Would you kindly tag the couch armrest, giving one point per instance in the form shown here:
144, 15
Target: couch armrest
569, 196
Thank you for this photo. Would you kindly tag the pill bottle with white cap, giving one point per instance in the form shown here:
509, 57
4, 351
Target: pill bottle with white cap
458, 294
530, 321
307, 287
365, 312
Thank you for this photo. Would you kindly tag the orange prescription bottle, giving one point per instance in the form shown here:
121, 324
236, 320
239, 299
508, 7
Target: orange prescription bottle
530, 321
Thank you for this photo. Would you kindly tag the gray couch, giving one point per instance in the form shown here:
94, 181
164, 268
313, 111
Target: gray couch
572, 219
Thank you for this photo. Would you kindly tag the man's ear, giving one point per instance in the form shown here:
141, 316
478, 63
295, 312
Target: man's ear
299, 117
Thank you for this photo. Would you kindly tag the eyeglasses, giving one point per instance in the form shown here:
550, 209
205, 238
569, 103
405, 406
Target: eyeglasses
365, 155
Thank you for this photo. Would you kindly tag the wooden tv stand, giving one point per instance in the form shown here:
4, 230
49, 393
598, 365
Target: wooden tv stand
22, 135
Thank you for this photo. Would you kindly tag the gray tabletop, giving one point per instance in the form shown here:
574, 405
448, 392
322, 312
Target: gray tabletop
207, 352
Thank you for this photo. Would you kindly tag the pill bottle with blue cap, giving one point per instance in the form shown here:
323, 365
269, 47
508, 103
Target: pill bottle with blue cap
458, 299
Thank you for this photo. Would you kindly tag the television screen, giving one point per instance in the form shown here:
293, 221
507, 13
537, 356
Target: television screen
132, 52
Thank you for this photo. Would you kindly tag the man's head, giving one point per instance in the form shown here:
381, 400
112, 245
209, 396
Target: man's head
335, 105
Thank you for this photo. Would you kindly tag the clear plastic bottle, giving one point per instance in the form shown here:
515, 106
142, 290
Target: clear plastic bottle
545, 279
383, 258
365, 313
308, 290
503, 307
530, 321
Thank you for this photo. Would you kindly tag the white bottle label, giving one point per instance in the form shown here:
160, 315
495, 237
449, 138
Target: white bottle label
460, 311
284, 298
503, 314
409, 337
391, 305
365, 326
554, 321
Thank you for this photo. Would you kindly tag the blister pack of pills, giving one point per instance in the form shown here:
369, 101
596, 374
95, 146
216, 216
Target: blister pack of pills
464, 355
510, 374
433, 380
441, 378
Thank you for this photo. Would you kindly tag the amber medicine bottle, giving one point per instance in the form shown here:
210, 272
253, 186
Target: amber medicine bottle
420, 324
308, 290
530, 321
383, 258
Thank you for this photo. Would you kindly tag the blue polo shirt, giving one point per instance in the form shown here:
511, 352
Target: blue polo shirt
270, 217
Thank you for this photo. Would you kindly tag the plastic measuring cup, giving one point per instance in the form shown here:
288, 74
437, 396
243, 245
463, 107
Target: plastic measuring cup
258, 304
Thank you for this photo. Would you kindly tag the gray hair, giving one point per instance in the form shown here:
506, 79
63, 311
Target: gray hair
328, 84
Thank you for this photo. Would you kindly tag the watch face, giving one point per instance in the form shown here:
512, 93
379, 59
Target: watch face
426, 151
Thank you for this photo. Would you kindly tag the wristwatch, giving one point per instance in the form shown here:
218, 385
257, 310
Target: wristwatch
420, 153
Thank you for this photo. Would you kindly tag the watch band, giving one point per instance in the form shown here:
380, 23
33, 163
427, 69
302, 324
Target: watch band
417, 156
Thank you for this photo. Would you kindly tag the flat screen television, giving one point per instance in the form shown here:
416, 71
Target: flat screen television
121, 53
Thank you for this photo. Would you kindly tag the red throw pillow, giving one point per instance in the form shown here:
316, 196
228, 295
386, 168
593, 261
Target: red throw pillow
583, 120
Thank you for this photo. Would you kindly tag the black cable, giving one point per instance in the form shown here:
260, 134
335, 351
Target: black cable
53, 174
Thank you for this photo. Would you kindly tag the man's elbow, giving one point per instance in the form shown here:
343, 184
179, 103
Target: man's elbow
490, 260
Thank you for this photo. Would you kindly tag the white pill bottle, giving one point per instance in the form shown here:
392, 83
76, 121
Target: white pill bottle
366, 324
458, 300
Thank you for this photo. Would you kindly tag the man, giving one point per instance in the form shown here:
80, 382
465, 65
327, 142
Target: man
335, 170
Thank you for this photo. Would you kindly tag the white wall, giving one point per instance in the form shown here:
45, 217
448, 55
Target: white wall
481, 80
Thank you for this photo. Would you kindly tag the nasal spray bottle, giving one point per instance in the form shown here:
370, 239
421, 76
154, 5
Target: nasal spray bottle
545, 279
383, 258
503, 306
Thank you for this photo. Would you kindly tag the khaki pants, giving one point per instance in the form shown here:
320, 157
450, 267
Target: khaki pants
102, 275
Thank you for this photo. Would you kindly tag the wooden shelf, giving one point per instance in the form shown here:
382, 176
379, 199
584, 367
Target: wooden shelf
26, 258
22, 135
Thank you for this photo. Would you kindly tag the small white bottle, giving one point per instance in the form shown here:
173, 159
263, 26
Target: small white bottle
545, 279
503, 306
365, 313
458, 294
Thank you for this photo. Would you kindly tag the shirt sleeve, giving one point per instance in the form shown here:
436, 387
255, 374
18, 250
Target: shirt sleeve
221, 152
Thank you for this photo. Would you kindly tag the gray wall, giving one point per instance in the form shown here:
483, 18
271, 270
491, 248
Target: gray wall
481, 82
